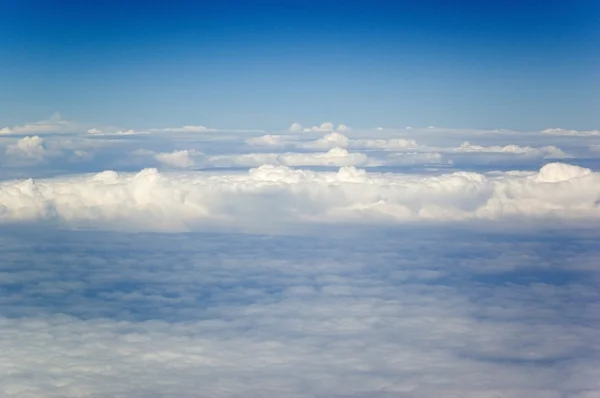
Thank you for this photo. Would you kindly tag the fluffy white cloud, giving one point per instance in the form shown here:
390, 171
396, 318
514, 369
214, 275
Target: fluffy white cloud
333, 157
150, 200
180, 159
330, 140
296, 128
30, 147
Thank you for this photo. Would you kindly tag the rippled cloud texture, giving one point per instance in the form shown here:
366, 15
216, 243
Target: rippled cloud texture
320, 261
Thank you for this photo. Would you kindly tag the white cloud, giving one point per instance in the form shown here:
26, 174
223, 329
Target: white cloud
296, 128
53, 125
333, 157
322, 128
113, 131
330, 140
180, 159
416, 158
336, 139
186, 129
556, 172
388, 144
544, 152
153, 201
30, 147
581, 133
269, 140
338, 314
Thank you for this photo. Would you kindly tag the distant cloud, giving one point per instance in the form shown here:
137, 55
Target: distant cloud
322, 128
180, 159
544, 152
185, 129
32, 147
581, 133
269, 140
333, 157
56, 124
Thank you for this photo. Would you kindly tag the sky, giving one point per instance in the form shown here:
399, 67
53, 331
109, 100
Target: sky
526, 65
299, 199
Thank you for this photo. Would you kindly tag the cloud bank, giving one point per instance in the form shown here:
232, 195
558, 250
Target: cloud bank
150, 200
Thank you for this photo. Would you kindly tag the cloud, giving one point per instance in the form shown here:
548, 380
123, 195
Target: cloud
333, 140
322, 128
186, 129
330, 140
87, 313
416, 158
30, 147
556, 172
150, 200
56, 124
333, 157
544, 152
269, 140
190, 158
180, 159
296, 128
580, 133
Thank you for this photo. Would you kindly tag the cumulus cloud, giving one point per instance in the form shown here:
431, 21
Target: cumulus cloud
179, 159
155, 201
30, 147
333, 157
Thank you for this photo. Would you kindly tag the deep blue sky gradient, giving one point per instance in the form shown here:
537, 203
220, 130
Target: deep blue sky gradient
264, 64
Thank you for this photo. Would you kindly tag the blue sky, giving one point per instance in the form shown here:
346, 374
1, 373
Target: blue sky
263, 64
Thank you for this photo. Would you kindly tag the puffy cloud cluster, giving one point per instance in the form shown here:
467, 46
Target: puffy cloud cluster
153, 201
30, 147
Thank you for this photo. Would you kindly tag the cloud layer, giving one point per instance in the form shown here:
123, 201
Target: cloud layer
409, 312
150, 200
